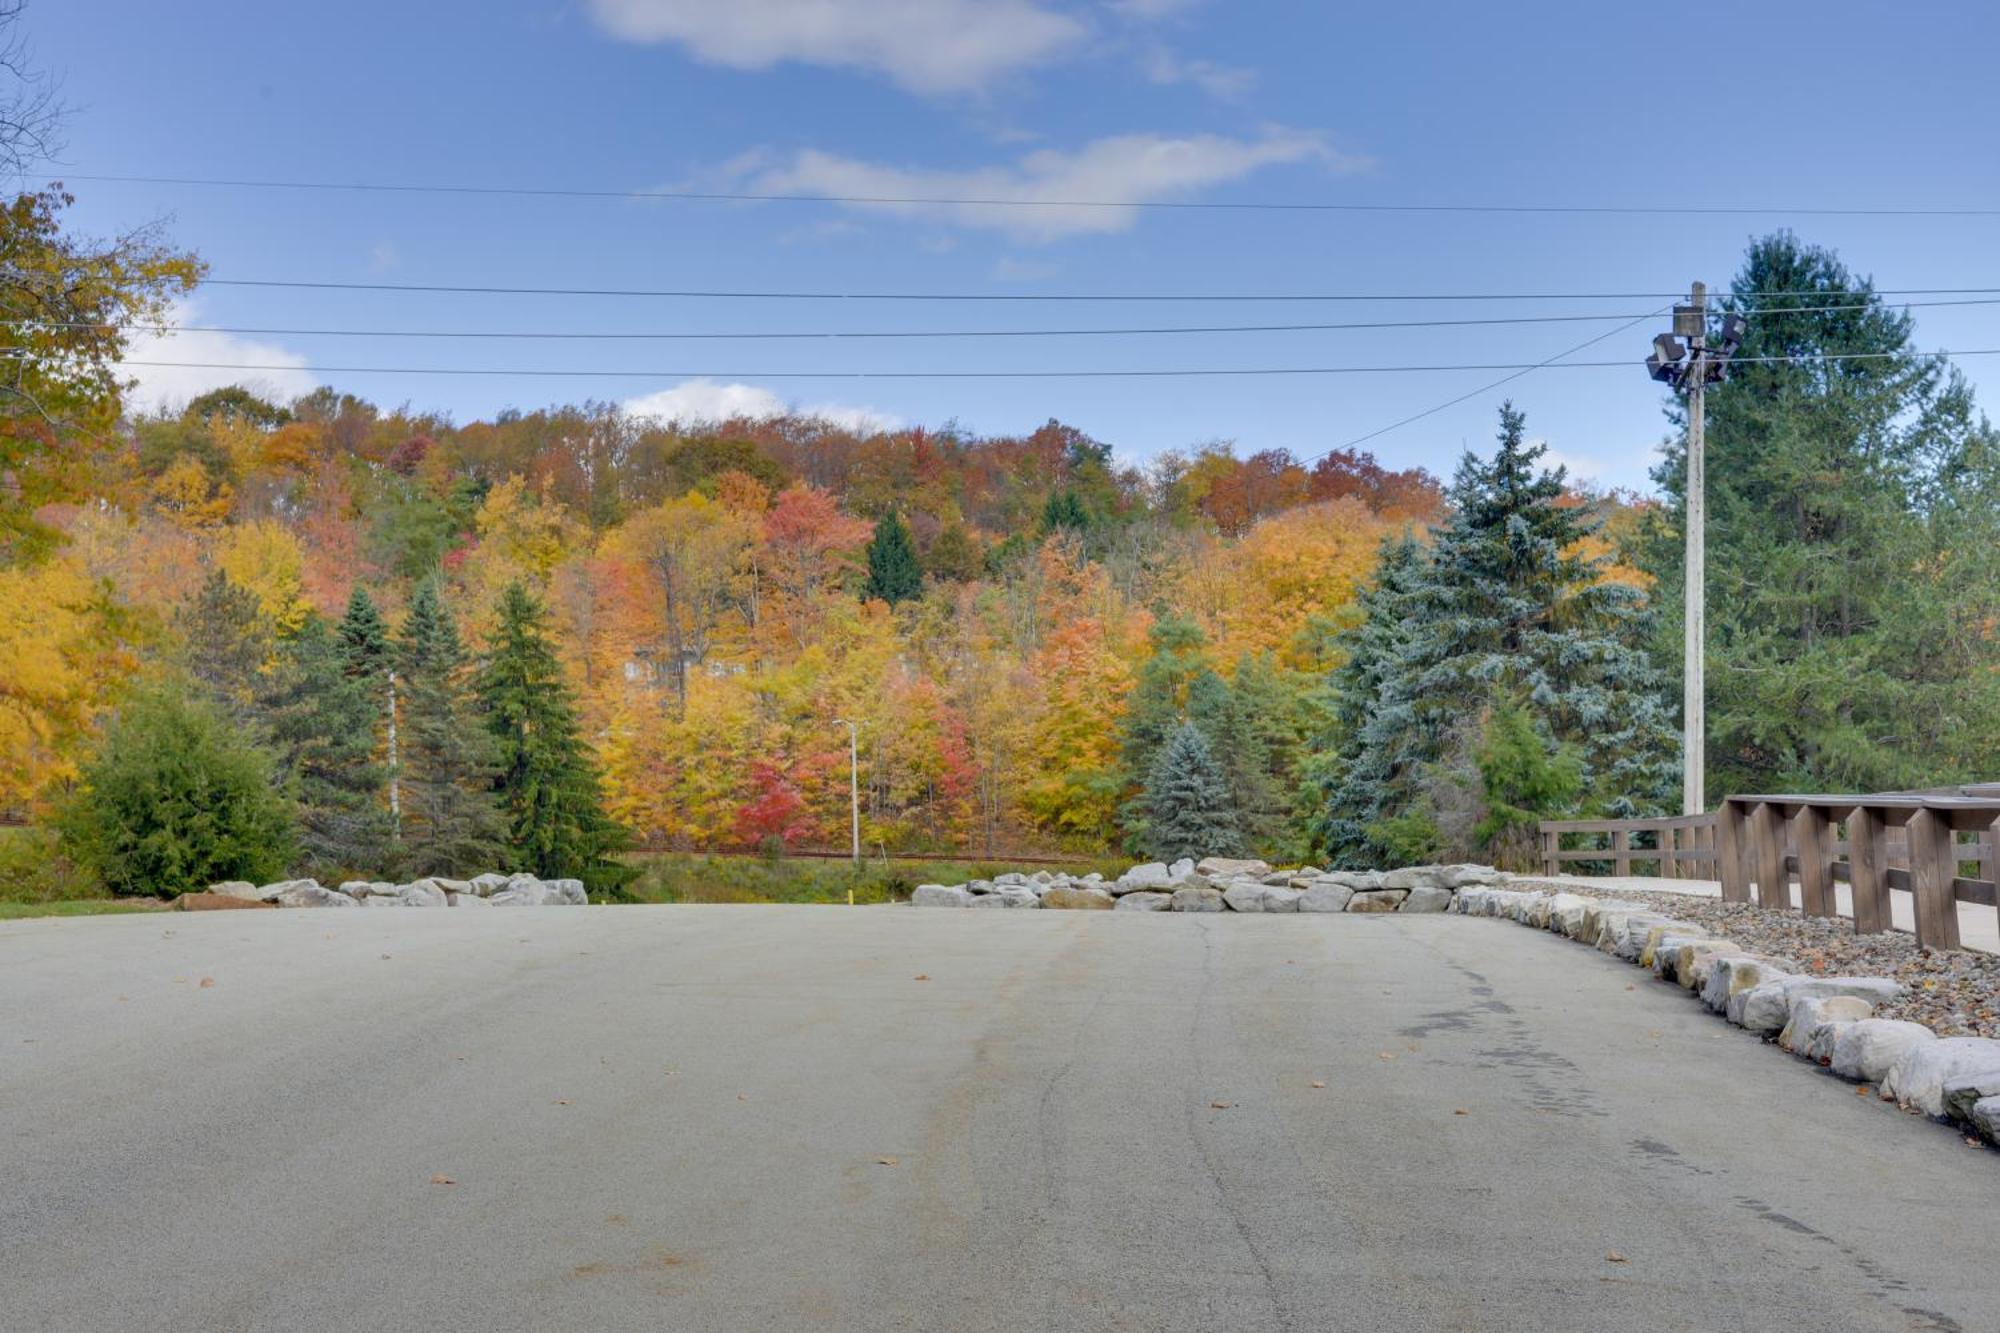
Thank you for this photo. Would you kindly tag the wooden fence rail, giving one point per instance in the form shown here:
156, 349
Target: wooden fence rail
1920, 843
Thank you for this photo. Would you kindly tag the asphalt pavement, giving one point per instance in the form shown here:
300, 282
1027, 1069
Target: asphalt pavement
776, 1118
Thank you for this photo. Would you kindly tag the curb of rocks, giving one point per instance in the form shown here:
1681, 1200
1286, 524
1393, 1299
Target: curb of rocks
1827, 1020
1218, 884
487, 890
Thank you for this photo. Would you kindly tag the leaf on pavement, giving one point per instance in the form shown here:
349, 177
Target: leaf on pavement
1615, 1258
1319, 1083
207, 983
1219, 1106
886, 1161
562, 1101
1461, 1111
442, 1179
923, 976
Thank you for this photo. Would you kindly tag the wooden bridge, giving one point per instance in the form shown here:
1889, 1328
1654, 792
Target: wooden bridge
1940, 847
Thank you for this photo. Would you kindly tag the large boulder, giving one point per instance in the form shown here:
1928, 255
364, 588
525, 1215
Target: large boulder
1918, 1080
1223, 867
469, 900
527, 891
306, 893
1697, 961
1153, 875
1245, 896
1767, 1007
1181, 869
424, 893
488, 884
1197, 898
1077, 900
1569, 914
1425, 898
570, 892
1866, 1051
1986, 1119
240, 888
1731, 974
1377, 900
1278, 898
1414, 877
1012, 896
941, 895
1811, 1019
1145, 900
1671, 948
219, 902
1463, 876
1965, 1092
1325, 896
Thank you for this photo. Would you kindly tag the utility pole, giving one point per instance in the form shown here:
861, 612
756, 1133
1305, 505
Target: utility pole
1684, 359
853, 783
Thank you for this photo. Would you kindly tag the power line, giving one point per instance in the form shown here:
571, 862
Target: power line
842, 335
941, 201
1190, 373
746, 295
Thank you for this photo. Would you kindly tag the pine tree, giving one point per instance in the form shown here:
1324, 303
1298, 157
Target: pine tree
1851, 526
451, 824
893, 572
548, 778
1188, 809
1251, 723
1509, 608
227, 644
321, 718
367, 656
1154, 711
1064, 510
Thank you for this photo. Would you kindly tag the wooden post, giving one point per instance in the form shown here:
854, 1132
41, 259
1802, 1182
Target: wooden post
1621, 852
1867, 860
1732, 836
1550, 841
1670, 864
1768, 833
1933, 867
1812, 830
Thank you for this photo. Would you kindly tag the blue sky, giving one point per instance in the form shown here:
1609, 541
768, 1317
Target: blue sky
1830, 105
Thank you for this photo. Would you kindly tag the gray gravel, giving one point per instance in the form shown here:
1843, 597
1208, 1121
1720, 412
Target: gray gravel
1954, 992
760, 1118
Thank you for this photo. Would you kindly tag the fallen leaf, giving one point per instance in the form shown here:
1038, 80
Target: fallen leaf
1386, 1055
1219, 1106
923, 976
1972, 1142
1861, 1091
1461, 1111
1319, 1083
742, 1096
887, 1161
442, 1179
1615, 1258
207, 983
385, 955
562, 1101
1631, 988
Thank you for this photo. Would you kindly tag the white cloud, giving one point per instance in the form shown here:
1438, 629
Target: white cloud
1225, 83
1119, 171
697, 401
927, 46
173, 386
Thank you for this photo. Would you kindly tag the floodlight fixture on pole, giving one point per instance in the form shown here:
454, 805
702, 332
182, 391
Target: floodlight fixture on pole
1684, 359
853, 784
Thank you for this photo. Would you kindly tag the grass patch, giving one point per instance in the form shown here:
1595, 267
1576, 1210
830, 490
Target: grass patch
80, 907
671, 877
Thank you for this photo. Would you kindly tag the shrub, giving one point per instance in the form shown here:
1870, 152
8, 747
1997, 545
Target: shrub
174, 799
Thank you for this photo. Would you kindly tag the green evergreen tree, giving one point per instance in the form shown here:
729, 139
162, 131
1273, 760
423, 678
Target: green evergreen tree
177, 797
1851, 533
1154, 710
1064, 511
548, 779
321, 719
368, 656
1188, 808
1253, 726
450, 824
225, 646
893, 572
1508, 608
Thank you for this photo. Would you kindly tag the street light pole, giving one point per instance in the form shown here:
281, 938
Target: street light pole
853, 783
1685, 360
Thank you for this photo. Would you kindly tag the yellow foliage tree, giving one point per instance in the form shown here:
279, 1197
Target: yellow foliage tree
265, 558
59, 664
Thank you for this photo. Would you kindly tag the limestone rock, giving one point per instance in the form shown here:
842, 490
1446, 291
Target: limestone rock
941, 895
1077, 900
1010, 897
1181, 869
1414, 877
238, 888
1377, 900
1810, 1018
1767, 1007
1986, 1119
1223, 867
1568, 914
1866, 1051
1151, 875
1918, 1080
1278, 898
306, 893
1245, 897
1197, 898
1324, 896
1731, 974
469, 900
218, 902
423, 893
488, 884
1426, 899
1962, 1094
1462, 876
1145, 900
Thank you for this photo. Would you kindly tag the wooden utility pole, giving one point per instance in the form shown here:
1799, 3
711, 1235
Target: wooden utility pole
1694, 697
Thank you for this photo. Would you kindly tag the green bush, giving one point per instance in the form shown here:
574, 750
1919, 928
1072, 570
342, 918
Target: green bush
36, 868
174, 800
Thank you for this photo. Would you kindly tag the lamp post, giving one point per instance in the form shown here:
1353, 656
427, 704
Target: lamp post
1684, 360
853, 783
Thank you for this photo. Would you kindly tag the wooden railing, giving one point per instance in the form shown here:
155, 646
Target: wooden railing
1919, 843
1681, 847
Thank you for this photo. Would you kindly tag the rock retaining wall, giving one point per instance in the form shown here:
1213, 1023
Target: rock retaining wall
1219, 884
488, 890
1824, 1019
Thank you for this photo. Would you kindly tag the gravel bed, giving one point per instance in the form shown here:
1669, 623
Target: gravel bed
1954, 993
